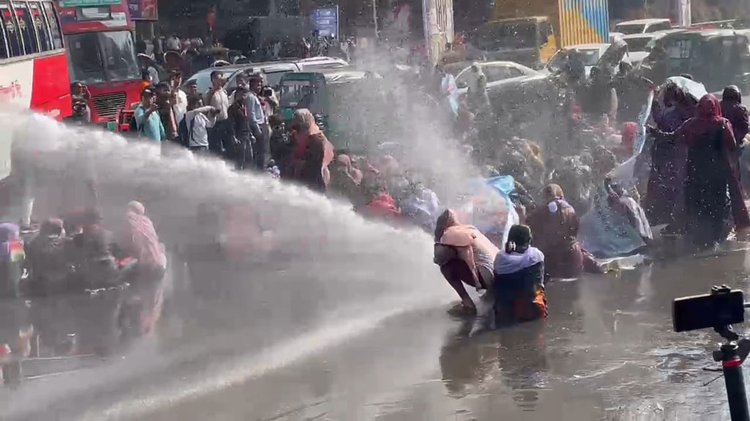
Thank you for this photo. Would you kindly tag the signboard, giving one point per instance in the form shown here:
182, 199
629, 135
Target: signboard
326, 21
143, 9
88, 3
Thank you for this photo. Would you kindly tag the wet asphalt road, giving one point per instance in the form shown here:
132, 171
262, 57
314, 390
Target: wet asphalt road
606, 352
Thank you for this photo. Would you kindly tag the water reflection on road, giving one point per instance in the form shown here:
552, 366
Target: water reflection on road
606, 352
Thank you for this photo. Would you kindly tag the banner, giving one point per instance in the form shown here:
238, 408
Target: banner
143, 9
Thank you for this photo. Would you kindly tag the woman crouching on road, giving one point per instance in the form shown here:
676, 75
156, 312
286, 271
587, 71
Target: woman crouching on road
465, 256
519, 280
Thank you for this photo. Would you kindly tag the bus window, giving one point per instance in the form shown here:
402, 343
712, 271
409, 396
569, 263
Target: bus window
42, 30
54, 27
26, 24
3, 44
15, 48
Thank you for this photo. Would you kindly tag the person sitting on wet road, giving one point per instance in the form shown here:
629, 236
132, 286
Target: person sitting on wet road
346, 181
379, 204
620, 200
465, 256
46, 260
519, 280
556, 223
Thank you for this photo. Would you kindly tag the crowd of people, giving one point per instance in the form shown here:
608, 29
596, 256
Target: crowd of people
575, 208
692, 186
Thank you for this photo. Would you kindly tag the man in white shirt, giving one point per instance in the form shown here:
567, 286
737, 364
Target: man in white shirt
179, 97
173, 43
199, 121
217, 98
259, 117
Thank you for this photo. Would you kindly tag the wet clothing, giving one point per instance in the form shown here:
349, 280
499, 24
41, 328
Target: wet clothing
474, 249
382, 207
519, 287
46, 260
346, 181
598, 99
556, 228
311, 165
632, 92
737, 115
665, 191
139, 239
94, 264
479, 101
712, 170
613, 227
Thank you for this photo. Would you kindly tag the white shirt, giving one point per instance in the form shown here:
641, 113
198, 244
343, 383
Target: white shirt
180, 106
220, 101
173, 43
198, 124
154, 74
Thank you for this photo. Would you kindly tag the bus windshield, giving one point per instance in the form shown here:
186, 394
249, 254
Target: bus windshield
507, 35
97, 57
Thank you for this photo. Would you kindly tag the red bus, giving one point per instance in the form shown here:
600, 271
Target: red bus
33, 65
101, 54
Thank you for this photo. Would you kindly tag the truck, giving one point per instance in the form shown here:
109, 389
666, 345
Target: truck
531, 31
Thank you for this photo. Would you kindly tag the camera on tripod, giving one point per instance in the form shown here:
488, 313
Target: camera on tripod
723, 306
720, 309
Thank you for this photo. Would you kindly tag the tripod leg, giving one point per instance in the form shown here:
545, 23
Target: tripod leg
735, 389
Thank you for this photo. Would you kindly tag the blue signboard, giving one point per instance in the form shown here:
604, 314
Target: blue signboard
326, 21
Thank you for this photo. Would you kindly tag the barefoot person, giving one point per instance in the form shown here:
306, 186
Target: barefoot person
465, 256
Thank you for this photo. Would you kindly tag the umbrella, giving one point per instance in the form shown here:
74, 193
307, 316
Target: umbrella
691, 87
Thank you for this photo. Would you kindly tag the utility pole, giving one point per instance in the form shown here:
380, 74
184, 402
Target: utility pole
684, 17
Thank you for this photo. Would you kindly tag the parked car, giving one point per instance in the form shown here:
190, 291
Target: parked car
314, 64
273, 71
511, 87
642, 26
715, 58
639, 45
589, 53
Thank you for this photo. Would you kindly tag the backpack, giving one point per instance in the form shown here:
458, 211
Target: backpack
184, 133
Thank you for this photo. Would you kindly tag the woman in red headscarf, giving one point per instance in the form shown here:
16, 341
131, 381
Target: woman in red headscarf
312, 152
712, 169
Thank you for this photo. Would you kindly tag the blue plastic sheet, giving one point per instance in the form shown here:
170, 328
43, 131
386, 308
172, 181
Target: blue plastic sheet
487, 206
